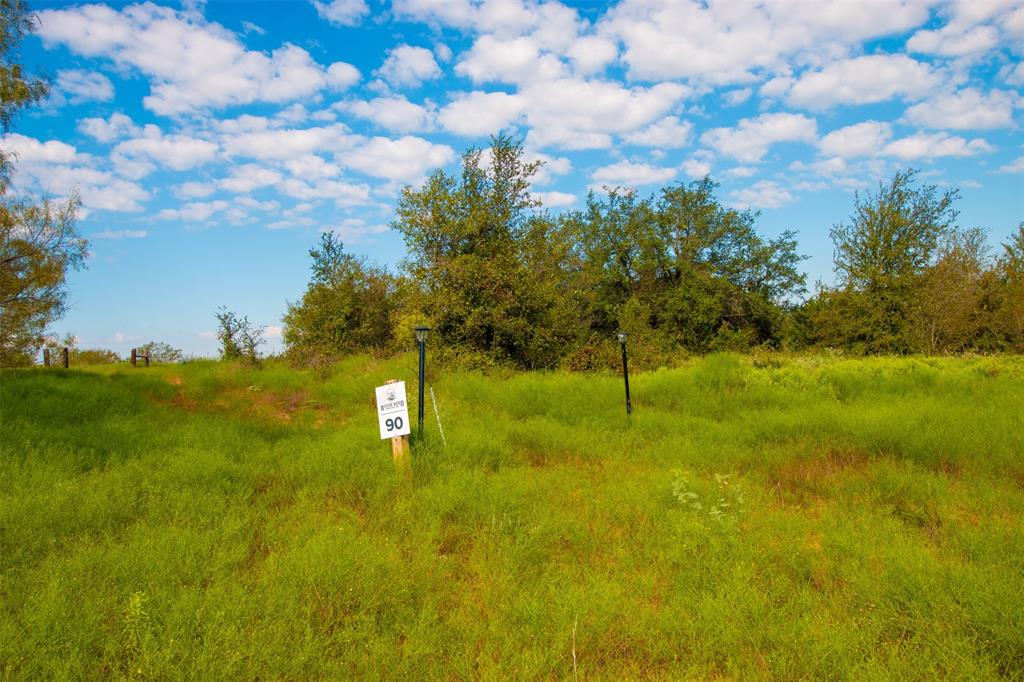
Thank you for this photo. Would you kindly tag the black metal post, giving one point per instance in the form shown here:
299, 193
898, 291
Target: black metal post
423, 351
625, 376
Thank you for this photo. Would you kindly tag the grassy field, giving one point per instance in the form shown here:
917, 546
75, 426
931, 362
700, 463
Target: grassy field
777, 518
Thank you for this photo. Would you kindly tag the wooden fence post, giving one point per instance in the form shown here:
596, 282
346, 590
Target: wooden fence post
46, 357
400, 453
146, 357
64, 354
134, 350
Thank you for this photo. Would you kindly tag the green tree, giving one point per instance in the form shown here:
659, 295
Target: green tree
162, 352
348, 305
1009, 287
947, 313
680, 270
470, 240
38, 240
78, 357
38, 246
239, 338
17, 89
881, 254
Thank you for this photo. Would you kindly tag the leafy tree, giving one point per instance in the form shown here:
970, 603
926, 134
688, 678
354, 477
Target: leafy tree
1009, 288
78, 357
38, 241
348, 305
681, 271
470, 240
947, 312
880, 254
239, 338
17, 89
38, 246
162, 352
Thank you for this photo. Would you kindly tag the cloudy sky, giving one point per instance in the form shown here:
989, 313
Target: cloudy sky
212, 142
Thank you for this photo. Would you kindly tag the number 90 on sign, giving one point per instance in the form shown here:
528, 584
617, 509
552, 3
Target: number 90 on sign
392, 410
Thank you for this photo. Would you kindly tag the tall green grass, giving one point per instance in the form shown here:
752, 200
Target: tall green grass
782, 518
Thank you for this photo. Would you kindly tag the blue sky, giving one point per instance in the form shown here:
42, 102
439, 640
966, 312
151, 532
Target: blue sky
212, 142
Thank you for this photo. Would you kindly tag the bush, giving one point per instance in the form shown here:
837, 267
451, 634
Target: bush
239, 338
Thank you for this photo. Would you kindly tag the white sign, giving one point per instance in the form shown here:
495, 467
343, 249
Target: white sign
392, 410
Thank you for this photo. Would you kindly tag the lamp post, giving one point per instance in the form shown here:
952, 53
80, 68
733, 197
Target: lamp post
421, 340
625, 371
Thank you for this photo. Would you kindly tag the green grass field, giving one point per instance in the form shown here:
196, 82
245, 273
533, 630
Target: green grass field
777, 518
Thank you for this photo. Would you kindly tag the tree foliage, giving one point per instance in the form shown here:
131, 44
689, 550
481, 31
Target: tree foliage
161, 352
239, 338
473, 262
683, 268
78, 357
497, 275
1008, 301
39, 244
347, 306
18, 89
881, 253
503, 281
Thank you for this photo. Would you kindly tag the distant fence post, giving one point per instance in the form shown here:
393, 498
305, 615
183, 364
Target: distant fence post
46, 357
146, 358
134, 351
64, 355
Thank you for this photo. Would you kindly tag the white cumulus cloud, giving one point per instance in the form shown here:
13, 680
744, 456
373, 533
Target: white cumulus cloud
762, 194
137, 156
863, 80
867, 138
247, 177
1015, 166
667, 133
392, 113
29, 149
109, 129
967, 109
192, 64
478, 113
405, 159
79, 86
750, 140
408, 66
342, 12
629, 174
555, 199
933, 145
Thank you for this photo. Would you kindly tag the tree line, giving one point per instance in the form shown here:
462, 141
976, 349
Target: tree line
503, 282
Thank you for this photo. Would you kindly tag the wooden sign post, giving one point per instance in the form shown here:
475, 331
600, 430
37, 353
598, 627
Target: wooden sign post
393, 419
